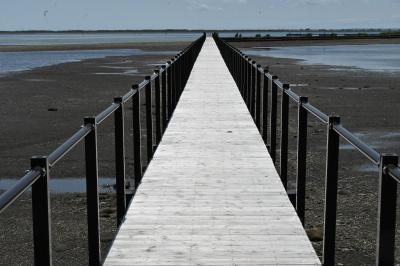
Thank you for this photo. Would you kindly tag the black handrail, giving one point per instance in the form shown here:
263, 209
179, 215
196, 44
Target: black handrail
240, 66
9, 196
68, 145
366, 150
37, 178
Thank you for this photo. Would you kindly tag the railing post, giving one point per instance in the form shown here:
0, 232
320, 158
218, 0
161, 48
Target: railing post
331, 180
265, 107
181, 75
170, 88
249, 75
149, 120
258, 97
92, 193
301, 158
120, 159
245, 78
174, 82
41, 213
236, 67
274, 106
284, 134
240, 62
253, 89
178, 77
188, 66
387, 198
137, 136
164, 98
157, 91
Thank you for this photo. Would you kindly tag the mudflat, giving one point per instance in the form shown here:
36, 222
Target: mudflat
41, 108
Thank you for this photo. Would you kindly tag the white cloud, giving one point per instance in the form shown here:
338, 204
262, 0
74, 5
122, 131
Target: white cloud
201, 5
235, 1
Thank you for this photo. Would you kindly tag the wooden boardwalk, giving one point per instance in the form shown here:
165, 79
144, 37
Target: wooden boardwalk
211, 194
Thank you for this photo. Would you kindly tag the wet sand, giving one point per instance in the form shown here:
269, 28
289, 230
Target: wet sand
367, 102
41, 108
69, 229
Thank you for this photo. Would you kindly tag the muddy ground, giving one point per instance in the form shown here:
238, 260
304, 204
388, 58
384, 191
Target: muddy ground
41, 108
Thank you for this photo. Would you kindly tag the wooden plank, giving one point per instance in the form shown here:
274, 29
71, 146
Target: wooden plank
211, 194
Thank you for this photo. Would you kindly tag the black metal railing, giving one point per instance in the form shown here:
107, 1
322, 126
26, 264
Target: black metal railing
247, 75
168, 83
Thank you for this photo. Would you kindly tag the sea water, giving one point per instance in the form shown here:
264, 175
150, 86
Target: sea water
17, 61
375, 57
64, 185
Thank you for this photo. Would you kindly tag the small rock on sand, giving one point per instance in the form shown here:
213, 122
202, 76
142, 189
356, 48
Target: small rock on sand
315, 234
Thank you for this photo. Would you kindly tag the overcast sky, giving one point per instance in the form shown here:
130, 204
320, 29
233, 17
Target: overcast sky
197, 14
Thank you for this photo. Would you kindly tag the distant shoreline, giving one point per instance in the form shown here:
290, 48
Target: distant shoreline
309, 42
197, 30
325, 37
153, 46
158, 46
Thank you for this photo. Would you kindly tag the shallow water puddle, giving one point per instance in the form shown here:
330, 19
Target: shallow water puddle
299, 85
367, 168
67, 185
387, 141
131, 72
38, 80
117, 67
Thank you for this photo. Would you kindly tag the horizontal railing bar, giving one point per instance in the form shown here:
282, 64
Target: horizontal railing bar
316, 112
154, 76
64, 148
293, 95
20, 187
370, 153
278, 83
161, 70
289, 92
143, 84
106, 113
269, 76
128, 95
394, 172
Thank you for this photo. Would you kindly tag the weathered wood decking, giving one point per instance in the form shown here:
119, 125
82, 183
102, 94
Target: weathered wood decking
211, 194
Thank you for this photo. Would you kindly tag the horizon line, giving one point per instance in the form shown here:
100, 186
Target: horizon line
199, 30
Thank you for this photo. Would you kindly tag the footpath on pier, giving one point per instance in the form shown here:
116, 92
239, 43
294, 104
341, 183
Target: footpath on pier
211, 194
